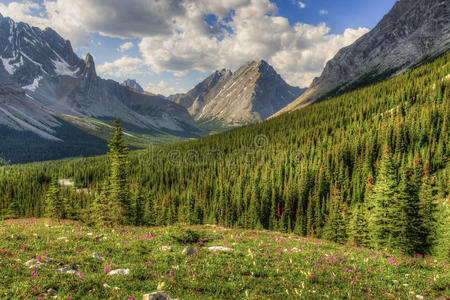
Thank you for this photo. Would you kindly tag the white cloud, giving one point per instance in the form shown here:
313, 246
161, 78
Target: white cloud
162, 88
123, 67
323, 12
297, 52
176, 38
125, 47
301, 4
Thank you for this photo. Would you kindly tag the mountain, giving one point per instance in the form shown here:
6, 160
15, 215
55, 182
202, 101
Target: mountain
133, 85
253, 93
412, 32
44, 86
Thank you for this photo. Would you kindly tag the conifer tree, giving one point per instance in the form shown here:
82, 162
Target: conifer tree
119, 194
137, 206
101, 212
358, 231
427, 210
383, 196
54, 201
406, 222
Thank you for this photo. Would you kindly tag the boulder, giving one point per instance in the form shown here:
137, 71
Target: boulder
220, 248
161, 295
97, 256
119, 272
188, 251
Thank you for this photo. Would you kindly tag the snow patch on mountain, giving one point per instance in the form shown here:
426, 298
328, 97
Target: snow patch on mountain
32, 87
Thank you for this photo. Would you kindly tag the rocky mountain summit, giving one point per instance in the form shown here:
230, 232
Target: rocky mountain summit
412, 32
133, 85
253, 93
43, 80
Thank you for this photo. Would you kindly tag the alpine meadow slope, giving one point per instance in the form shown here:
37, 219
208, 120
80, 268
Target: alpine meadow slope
320, 171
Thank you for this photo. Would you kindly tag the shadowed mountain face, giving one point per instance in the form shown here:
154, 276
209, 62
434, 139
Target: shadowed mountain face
42, 79
253, 93
413, 31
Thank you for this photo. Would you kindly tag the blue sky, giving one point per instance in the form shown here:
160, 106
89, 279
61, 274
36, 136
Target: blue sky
174, 44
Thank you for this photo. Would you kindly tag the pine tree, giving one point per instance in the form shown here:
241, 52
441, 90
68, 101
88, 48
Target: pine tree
442, 242
54, 201
119, 194
137, 207
406, 222
383, 196
358, 231
427, 210
101, 212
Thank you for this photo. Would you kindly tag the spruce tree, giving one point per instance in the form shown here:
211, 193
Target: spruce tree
101, 212
406, 221
383, 197
119, 194
54, 201
427, 210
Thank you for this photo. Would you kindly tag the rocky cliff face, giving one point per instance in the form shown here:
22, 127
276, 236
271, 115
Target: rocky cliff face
253, 93
133, 85
52, 78
414, 30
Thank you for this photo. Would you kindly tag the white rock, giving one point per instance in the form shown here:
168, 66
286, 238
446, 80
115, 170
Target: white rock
106, 286
31, 262
156, 296
97, 256
420, 297
220, 248
119, 272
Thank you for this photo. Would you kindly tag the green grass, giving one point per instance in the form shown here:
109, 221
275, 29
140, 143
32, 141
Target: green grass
262, 265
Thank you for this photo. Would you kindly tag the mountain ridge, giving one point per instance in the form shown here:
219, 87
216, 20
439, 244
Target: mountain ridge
251, 94
411, 32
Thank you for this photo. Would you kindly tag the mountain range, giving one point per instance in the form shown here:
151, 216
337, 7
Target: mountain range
413, 32
53, 78
53, 104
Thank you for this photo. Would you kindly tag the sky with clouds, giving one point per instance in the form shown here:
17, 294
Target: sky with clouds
170, 45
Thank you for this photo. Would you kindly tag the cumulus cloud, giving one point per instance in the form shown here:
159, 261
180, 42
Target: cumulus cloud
175, 36
323, 12
297, 52
301, 4
125, 47
123, 67
162, 88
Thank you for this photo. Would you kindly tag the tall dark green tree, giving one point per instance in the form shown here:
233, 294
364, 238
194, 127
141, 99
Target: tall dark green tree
55, 204
383, 197
119, 191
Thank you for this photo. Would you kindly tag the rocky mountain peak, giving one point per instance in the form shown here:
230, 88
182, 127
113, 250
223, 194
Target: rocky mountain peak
89, 70
412, 32
133, 85
252, 93
89, 61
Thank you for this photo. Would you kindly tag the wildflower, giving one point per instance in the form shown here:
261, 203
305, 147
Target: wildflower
170, 273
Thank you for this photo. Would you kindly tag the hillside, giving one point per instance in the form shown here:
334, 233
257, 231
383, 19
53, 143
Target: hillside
412, 32
223, 264
313, 172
